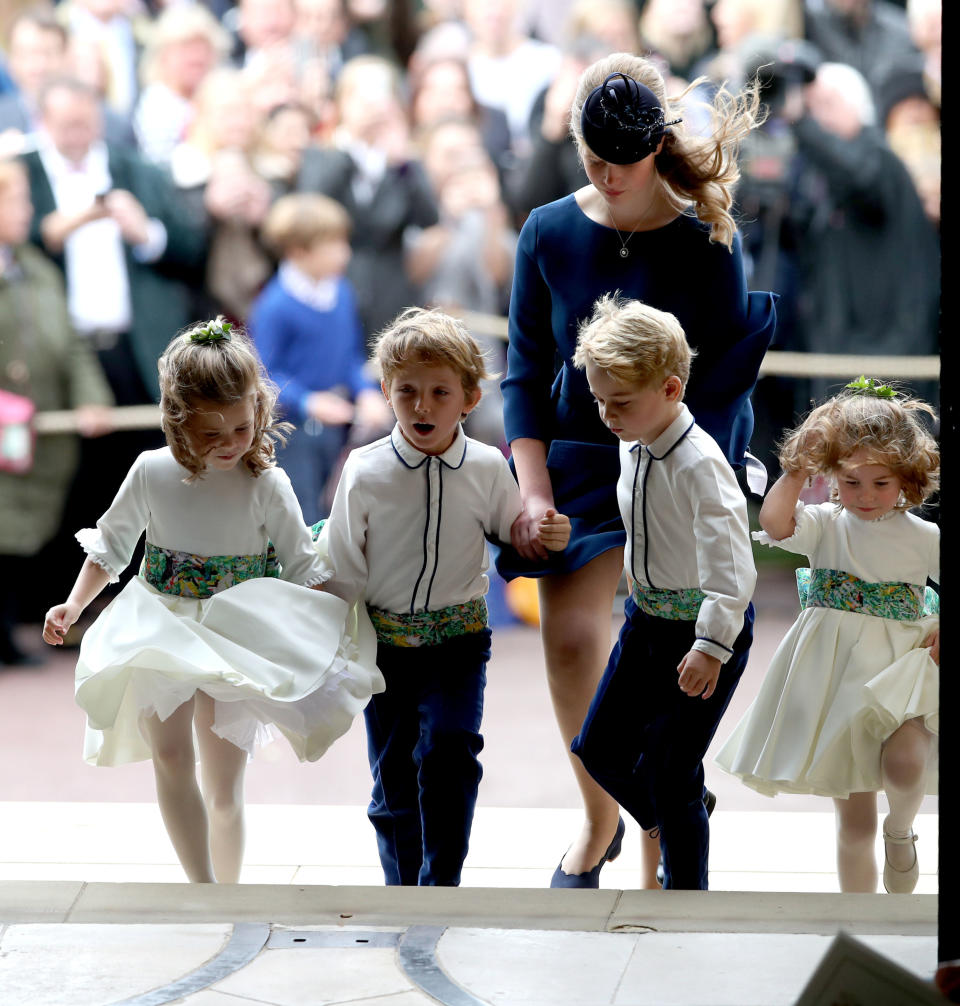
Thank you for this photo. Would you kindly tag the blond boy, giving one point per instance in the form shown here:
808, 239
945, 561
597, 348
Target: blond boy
689, 566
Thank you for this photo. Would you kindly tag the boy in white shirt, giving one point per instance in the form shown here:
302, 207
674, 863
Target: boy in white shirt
690, 570
407, 534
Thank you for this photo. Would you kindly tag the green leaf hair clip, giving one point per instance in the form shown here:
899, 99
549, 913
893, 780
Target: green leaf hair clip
213, 331
871, 386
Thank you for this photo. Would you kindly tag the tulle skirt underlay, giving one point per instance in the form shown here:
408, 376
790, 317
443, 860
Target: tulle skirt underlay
268, 652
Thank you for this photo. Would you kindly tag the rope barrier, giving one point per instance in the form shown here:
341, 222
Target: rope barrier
776, 363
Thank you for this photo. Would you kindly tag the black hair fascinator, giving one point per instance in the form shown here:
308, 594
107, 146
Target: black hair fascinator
622, 120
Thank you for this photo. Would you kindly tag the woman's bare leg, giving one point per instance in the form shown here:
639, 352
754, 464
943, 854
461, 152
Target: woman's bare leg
650, 852
856, 835
903, 766
575, 622
222, 767
181, 805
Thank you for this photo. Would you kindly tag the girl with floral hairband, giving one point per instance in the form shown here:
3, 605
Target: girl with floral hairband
850, 703
222, 632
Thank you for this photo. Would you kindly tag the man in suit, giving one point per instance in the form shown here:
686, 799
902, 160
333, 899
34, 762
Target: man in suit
113, 224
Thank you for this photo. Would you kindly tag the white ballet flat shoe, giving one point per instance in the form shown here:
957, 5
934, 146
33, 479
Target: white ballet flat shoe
899, 881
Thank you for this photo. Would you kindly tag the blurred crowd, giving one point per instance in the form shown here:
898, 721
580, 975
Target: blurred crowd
310, 167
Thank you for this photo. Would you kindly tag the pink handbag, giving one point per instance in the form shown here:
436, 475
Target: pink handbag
17, 435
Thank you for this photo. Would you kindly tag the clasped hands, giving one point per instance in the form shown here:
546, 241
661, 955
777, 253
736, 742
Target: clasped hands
539, 530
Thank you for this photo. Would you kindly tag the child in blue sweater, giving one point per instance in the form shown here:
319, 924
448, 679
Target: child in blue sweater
308, 332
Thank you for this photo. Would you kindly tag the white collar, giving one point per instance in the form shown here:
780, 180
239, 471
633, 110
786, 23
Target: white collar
57, 166
670, 437
320, 294
452, 457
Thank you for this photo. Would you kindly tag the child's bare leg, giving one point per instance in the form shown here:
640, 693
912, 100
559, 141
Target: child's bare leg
903, 766
575, 622
222, 767
856, 834
181, 805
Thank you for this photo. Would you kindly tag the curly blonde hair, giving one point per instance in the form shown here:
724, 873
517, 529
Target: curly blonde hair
633, 342
223, 372
697, 171
418, 335
889, 430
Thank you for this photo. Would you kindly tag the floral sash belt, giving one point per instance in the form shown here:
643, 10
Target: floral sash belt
678, 605
188, 575
833, 588
429, 628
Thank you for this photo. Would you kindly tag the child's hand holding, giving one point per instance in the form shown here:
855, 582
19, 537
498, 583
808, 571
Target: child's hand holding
698, 674
553, 530
57, 620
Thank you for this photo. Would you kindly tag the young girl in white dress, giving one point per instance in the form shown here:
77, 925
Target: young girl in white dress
850, 704
212, 639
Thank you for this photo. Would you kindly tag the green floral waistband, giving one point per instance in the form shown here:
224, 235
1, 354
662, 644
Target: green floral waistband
681, 605
833, 588
188, 575
429, 628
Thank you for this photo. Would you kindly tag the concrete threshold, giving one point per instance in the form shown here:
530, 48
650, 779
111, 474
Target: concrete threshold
605, 911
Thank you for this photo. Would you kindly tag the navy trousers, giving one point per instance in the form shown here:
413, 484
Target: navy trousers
423, 739
644, 740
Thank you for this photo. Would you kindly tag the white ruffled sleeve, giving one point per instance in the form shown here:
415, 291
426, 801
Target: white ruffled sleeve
111, 543
291, 537
806, 536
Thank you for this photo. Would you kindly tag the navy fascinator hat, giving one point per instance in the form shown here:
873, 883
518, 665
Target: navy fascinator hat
622, 120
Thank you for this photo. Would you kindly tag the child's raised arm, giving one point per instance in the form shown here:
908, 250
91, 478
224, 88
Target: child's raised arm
91, 580
776, 514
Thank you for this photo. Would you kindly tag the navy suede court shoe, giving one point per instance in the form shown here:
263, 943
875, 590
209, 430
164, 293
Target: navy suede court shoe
591, 878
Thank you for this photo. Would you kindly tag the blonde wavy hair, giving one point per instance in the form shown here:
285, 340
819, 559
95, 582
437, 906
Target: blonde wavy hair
697, 171
221, 372
633, 342
889, 430
419, 335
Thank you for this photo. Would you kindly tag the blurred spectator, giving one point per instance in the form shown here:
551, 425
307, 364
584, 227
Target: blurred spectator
465, 261
440, 89
36, 52
107, 26
42, 359
868, 256
112, 222
284, 136
868, 35
553, 167
258, 26
911, 122
184, 45
612, 22
213, 170
545, 19
383, 29
320, 34
372, 171
507, 68
307, 329
678, 30
924, 21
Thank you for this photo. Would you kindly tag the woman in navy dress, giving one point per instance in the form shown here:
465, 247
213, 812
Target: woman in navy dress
654, 224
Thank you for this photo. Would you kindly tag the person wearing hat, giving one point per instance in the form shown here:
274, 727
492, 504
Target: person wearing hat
653, 224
